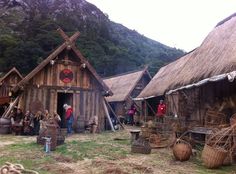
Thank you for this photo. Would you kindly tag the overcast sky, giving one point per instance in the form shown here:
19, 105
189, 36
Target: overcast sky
178, 23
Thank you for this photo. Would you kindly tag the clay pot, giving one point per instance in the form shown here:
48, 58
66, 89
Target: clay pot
182, 150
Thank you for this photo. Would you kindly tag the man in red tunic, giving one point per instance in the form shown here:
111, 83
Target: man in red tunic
69, 117
161, 111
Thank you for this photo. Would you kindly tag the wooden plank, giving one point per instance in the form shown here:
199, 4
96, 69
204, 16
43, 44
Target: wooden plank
34, 94
89, 105
92, 103
86, 104
107, 115
81, 103
97, 103
10, 107
54, 74
26, 94
109, 106
47, 96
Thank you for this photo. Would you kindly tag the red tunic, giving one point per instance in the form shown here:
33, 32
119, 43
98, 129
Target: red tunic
161, 110
69, 112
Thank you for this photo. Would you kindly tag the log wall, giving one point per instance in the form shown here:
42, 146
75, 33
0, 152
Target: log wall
41, 93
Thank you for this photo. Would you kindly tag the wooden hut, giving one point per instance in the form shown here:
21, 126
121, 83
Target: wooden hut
202, 80
65, 76
7, 82
125, 87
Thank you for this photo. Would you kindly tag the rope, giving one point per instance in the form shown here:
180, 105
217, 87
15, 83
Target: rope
10, 168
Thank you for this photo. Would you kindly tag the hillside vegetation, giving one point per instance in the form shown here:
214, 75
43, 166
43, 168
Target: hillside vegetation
28, 35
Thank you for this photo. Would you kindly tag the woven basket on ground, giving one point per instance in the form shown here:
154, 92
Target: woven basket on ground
141, 146
213, 157
217, 148
182, 150
145, 132
155, 138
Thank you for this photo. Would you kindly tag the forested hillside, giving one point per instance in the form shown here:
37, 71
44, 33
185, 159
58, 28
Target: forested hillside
28, 34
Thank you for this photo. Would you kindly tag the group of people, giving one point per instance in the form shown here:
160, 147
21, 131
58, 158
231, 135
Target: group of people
29, 123
159, 116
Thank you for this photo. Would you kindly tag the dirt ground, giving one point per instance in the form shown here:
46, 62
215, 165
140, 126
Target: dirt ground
105, 153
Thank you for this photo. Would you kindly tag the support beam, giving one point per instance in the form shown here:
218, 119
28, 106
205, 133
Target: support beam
69, 40
114, 113
108, 116
10, 107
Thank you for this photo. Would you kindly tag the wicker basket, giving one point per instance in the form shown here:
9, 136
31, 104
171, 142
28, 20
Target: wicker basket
213, 157
233, 120
145, 132
182, 150
141, 149
228, 160
155, 138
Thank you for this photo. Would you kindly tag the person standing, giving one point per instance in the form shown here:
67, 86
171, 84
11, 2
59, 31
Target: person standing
131, 113
17, 121
161, 111
28, 123
37, 118
69, 117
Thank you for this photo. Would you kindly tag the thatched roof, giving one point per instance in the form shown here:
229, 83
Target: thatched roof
122, 85
216, 55
69, 43
13, 70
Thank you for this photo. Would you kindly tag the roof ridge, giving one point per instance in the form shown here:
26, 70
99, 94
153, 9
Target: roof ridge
225, 20
125, 73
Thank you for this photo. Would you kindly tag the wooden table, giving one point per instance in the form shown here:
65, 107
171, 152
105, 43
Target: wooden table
199, 134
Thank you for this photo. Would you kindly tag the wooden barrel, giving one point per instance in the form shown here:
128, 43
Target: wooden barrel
5, 126
5, 129
5, 121
80, 125
60, 140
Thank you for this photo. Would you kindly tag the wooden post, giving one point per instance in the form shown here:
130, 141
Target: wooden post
108, 116
151, 108
114, 113
10, 107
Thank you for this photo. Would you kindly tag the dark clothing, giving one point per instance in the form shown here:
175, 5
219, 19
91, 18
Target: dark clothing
27, 125
131, 113
17, 123
36, 126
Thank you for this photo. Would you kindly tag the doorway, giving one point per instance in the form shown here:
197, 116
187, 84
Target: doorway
63, 98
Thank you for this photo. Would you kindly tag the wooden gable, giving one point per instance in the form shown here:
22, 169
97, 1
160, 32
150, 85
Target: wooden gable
66, 56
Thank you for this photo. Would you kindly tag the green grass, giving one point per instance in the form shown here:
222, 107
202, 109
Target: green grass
105, 146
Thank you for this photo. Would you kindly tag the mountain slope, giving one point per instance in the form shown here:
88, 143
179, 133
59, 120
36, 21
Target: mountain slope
28, 34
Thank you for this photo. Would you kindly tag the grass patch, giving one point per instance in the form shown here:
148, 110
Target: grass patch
91, 149
96, 154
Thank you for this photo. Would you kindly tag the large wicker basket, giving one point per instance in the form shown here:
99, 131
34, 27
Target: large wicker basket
213, 157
